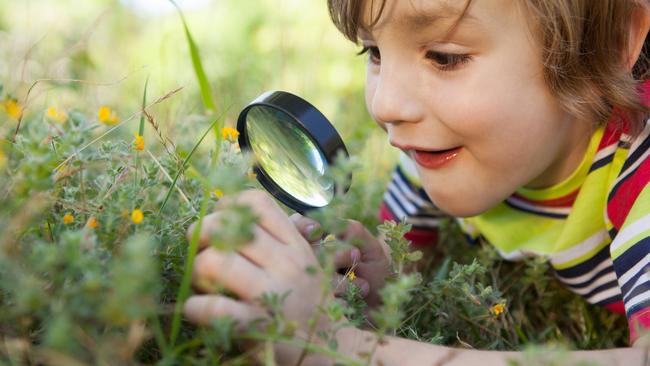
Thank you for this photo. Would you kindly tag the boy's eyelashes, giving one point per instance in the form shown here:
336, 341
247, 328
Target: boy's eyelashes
447, 61
373, 53
442, 60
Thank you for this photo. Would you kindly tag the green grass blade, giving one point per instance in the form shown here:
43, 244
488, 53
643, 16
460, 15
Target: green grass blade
144, 104
141, 130
206, 92
186, 161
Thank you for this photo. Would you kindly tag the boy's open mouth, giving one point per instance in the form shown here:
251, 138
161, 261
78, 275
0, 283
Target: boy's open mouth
435, 159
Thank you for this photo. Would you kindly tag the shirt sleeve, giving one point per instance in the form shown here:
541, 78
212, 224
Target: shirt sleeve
405, 199
629, 211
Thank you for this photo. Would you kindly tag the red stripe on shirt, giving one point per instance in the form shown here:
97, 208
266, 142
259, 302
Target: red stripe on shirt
564, 201
385, 214
617, 307
639, 324
611, 135
620, 204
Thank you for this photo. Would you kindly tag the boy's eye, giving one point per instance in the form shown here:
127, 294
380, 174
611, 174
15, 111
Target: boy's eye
373, 53
447, 61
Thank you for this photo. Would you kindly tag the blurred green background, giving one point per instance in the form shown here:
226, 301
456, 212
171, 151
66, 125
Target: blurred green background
247, 47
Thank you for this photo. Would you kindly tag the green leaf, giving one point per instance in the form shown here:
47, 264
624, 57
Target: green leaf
206, 92
414, 256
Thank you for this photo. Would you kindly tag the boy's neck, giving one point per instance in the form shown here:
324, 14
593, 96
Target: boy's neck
567, 159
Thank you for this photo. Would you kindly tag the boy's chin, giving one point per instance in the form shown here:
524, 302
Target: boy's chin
464, 207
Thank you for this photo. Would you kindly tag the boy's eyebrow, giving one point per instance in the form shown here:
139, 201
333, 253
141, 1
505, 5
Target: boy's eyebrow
424, 19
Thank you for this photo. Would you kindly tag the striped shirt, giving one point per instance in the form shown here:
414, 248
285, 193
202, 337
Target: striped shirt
594, 227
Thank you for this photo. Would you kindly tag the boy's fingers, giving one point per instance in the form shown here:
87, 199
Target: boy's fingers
355, 230
266, 252
370, 247
209, 227
341, 283
271, 217
308, 228
202, 309
214, 268
347, 258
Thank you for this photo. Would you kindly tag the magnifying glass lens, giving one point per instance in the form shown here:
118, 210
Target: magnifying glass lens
288, 155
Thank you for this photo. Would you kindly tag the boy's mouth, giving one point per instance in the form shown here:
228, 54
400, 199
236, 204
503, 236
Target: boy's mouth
435, 159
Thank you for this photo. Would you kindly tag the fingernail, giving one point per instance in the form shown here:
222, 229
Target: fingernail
309, 228
355, 255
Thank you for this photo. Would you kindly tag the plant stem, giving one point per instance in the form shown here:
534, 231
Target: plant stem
184, 290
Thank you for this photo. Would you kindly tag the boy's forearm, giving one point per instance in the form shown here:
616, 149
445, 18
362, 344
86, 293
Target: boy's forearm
359, 344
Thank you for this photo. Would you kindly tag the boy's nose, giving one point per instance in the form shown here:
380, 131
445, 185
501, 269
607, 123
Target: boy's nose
394, 98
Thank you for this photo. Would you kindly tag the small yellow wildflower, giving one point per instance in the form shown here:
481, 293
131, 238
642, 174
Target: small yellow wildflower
92, 222
217, 193
137, 216
13, 109
107, 116
57, 115
68, 218
251, 175
498, 309
138, 142
229, 133
329, 237
351, 275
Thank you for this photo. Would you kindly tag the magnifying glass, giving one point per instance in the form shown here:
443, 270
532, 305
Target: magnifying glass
294, 146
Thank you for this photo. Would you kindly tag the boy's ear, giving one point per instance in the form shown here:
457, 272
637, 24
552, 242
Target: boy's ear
639, 27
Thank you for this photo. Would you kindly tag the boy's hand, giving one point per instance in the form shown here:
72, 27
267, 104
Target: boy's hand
276, 260
370, 260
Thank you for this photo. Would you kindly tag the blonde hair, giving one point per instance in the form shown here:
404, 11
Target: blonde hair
583, 44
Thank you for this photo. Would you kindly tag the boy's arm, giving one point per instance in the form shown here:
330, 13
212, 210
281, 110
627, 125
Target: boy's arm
403, 352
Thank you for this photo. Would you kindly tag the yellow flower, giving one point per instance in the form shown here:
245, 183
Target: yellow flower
137, 216
92, 222
329, 237
68, 218
351, 275
498, 309
107, 116
138, 142
229, 133
251, 175
217, 193
57, 115
13, 109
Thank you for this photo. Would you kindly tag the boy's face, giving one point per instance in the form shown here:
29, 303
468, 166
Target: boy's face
470, 105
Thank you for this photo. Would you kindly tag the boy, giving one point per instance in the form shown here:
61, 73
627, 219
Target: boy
507, 109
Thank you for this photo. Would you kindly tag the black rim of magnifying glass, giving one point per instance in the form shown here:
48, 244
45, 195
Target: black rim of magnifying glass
312, 122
